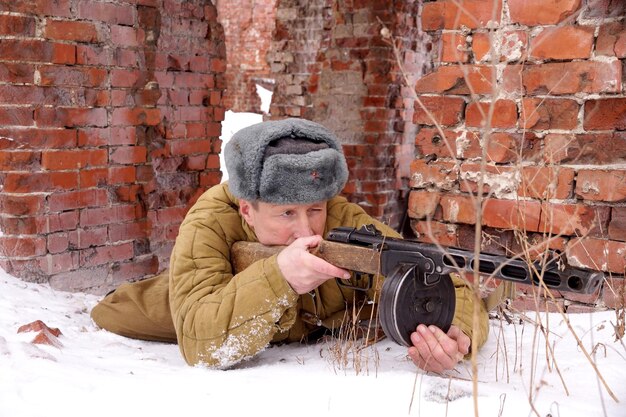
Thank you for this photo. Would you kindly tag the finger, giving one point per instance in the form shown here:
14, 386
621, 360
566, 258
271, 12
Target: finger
421, 355
463, 340
327, 269
441, 346
308, 241
429, 361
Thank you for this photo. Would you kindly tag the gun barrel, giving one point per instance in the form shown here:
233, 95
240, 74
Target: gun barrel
554, 272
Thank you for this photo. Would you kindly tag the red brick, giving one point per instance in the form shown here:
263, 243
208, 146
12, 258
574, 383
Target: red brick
26, 246
96, 55
31, 50
617, 226
72, 76
73, 159
123, 14
564, 42
125, 36
20, 94
107, 215
58, 263
104, 254
512, 214
540, 12
423, 204
598, 254
497, 179
136, 268
59, 8
605, 114
127, 231
18, 225
500, 146
430, 141
136, 116
534, 299
573, 219
57, 222
128, 155
509, 45
441, 174
454, 79
17, 25
433, 15
17, 73
70, 117
453, 47
596, 149
22, 182
546, 113
545, 183
449, 15
122, 175
444, 234
499, 114
40, 138
92, 197
601, 185
564, 78
96, 177
458, 208
20, 205
614, 294
612, 40
125, 77
64, 30
11, 116
446, 111
19, 160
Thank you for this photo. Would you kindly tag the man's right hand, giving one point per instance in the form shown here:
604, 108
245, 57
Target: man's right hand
303, 270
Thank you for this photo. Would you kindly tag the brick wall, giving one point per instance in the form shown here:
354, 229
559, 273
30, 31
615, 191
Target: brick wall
332, 66
527, 104
109, 128
248, 26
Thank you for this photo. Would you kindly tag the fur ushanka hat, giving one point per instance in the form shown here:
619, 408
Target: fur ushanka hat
290, 161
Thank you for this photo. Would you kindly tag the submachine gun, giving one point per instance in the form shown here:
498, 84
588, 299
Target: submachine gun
417, 288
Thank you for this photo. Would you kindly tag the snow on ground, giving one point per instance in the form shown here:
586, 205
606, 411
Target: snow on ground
95, 373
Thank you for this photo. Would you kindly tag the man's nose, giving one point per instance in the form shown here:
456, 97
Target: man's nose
303, 227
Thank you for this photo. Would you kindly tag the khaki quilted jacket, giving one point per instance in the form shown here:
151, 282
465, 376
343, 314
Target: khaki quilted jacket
221, 318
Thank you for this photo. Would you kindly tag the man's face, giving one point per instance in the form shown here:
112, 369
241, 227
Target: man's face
276, 224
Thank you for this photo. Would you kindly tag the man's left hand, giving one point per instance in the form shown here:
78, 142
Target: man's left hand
436, 351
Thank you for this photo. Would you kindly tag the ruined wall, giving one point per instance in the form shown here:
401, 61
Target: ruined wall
332, 66
248, 26
531, 94
109, 128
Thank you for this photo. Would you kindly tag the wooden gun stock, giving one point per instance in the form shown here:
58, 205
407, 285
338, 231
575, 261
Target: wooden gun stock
342, 255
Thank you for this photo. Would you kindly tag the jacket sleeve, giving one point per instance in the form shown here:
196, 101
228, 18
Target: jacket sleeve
221, 318
464, 312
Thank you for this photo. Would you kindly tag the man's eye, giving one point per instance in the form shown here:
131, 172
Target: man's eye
287, 213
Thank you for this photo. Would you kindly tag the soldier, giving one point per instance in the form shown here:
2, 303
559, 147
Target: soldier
283, 189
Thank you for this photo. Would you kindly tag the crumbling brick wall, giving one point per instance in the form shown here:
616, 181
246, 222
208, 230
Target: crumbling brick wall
535, 90
332, 66
109, 128
248, 26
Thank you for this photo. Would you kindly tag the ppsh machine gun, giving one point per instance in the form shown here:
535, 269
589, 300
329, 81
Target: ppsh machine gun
417, 288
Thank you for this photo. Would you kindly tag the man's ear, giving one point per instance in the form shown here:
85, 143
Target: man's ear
245, 209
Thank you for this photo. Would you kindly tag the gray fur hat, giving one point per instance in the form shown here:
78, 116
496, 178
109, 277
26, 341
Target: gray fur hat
290, 161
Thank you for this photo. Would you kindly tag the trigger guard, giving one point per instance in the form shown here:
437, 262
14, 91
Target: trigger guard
407, 299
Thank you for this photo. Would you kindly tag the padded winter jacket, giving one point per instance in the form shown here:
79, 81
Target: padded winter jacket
221, 317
